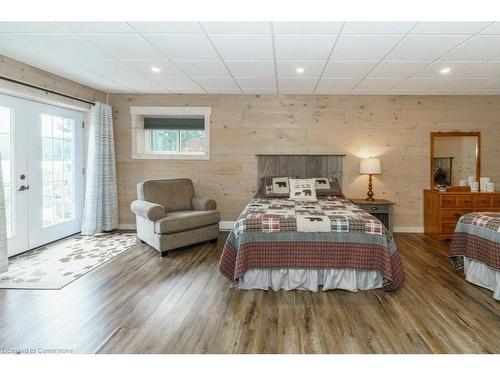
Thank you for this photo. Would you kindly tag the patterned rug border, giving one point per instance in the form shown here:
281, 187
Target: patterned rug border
83, 274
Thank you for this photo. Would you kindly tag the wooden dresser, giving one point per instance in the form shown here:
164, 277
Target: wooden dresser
443, 209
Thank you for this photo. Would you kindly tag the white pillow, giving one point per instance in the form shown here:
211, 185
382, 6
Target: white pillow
303, 189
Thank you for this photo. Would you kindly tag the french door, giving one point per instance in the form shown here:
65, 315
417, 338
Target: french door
42, 166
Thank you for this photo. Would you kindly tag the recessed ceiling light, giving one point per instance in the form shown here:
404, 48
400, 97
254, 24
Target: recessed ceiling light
299, 70
445, 70
155, 69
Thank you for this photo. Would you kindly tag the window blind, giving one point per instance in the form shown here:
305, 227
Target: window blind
174, 123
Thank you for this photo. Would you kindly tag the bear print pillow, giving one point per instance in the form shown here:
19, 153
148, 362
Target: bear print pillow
303, 189
275, 187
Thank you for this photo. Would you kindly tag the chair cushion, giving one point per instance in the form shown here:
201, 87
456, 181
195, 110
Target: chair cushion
173, 194
181, 221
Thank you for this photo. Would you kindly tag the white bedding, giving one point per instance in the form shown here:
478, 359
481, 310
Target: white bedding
310, 279
480, 274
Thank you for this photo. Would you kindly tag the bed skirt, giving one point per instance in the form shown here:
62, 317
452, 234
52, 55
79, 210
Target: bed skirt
480, 274
310, 279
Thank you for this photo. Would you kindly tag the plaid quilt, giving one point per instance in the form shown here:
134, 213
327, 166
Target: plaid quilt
477, 236
329, 233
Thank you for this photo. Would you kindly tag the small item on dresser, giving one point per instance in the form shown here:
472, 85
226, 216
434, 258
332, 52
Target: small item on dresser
464, 182
472, 179
489, 187
474, 186
482, 183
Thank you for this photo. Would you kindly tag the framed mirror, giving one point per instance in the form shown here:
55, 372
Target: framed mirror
455, 158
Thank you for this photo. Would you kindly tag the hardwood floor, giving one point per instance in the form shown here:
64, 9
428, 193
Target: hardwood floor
142, 303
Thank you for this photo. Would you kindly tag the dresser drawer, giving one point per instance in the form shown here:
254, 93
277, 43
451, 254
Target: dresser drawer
375, 208
496, 201
452, 214
448, 228
448, 201
465, 201
484, 201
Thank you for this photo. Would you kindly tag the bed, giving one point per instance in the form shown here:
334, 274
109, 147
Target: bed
475, 248
281, 243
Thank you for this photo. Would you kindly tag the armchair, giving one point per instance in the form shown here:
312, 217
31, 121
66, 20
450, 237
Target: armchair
169, 215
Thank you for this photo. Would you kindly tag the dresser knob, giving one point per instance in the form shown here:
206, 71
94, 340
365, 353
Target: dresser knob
374, 208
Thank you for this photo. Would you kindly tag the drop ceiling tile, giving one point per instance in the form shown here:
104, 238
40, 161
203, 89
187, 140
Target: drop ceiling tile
97, 27
490, 85
123, 46
259, 92
420, 83
114, 70
306, 27
461, 83
184, 46
167, 27
297, 84
225, 91
167, 69
397, 69
303, 47
296, 91
482, 92
457, 68
443, 28
337, 84
251, 68
357, 91
19, 49
203, 68
481, 47
377, 27
312, 69
378, 83
243, 47
488, 70
493, 29
237, 27
254, 84
216, 83
364, 47
180, 85
331, 92
63, 44
31, 27
348, 69
425, 47
146, 86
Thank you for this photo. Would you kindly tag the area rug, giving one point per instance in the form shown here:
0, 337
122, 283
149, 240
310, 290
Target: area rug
56, 265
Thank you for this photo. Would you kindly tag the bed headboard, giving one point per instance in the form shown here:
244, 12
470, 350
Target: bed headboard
303, 166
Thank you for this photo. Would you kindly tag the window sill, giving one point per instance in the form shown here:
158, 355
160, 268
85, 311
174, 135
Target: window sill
165, 156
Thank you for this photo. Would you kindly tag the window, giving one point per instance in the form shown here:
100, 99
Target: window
170, 132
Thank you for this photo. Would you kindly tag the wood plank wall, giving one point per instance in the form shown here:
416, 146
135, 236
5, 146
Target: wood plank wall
394, 128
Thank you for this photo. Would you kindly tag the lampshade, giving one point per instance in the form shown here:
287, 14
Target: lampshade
370, 166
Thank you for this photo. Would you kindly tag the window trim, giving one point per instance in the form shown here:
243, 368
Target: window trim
141, 137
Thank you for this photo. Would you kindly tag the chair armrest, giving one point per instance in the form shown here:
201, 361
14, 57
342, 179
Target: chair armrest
203, 204
148, 210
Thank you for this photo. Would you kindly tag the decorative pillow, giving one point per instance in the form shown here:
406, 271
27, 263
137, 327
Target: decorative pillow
275, 187
303, 189
327, 186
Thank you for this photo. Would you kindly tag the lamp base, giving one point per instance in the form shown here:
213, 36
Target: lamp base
370, 194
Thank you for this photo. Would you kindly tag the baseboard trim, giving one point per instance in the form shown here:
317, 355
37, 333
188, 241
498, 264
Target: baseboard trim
226, 226
408, 229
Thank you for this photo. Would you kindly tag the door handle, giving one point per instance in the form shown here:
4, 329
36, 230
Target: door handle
24, 187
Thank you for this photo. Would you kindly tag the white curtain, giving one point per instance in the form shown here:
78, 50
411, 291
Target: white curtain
101, 194
3, 226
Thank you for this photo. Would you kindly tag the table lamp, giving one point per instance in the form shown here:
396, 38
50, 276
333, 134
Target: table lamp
370, 166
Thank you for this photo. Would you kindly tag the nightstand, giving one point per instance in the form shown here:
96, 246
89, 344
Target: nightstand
380, 208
